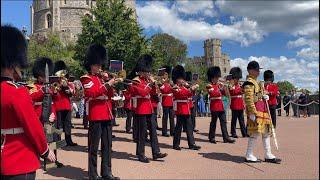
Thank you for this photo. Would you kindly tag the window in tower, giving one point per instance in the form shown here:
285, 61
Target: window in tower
65, 1
49, 21
87, 2
225, 70
49, 3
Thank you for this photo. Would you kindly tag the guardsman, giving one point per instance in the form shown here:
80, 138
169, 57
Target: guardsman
216, 90
141, 88
36, 89
154, 96
128, 109
22, 136
63, 103
273, 91
191, 102
98, 110
181, 106
237, 103
258, 121
167, 103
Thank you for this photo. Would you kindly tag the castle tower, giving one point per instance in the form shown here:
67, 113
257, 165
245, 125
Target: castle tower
212, 52
62, 16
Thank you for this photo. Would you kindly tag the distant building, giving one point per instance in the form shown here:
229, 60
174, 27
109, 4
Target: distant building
213, 56
63, 16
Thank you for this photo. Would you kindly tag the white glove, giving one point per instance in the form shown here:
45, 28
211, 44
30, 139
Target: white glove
266, 97
52, 117
252, 117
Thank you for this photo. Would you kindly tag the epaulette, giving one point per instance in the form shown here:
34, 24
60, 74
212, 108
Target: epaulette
14, 84
85, 76
137, 79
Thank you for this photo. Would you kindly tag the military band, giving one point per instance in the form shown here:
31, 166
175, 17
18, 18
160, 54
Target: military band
23, 133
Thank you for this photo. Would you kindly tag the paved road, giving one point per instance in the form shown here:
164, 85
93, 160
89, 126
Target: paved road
297, 138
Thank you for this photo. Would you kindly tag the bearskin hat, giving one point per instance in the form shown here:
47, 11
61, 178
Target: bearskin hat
189, 76
253, 65
39, 67
178, 72
213, 72
13, 47
144, 63
96, 54
168, 69
268, 76
132, 74
59, 65
236, 73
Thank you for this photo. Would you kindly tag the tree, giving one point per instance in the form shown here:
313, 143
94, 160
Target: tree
112, 25
285, 86
51, 46
201, 70
167, 50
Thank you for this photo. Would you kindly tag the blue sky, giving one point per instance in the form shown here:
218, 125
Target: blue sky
283, 35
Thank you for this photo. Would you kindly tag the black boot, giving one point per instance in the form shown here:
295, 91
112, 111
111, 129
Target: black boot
143, 159
110, 177
228, 140
69, 141
159, 155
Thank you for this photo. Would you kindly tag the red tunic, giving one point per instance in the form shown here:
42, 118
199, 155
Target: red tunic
96, 96
273, 91
181, 103
127, 100
167, 95
20, 152
37, 95
236, 98
154, 97
63, 102
215, 93
140, 93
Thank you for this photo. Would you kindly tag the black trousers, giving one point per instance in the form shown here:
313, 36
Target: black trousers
193, 117
155, 116
128, 120
145, 122
295, 109
223, 124
100, 130
167, 113
27, 176
134, 127
185, 121
238, 114
273, 114
64, 121
279, 112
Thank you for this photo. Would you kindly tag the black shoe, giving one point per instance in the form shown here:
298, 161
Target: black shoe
249, 161
177, 148
195, 130
159, 156
110, 177
85, 127
143, 159
274, 160
116, 125
166, 135
213, 141
234, 136
159, 128
195, 147
113, 136
59, 164
95, 178
229, 141
148, 140
72, 144
246, 135
128, 132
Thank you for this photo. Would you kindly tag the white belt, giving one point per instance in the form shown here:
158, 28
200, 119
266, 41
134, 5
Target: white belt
39, 103
238, 96
215, 98
97, 98
141, 97
101, 98
175, 103
12, 131
184, 101
135, 100
167, 94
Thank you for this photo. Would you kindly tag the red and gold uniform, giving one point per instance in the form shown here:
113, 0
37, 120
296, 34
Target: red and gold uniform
62, 101
37, 94
273, 92
22, 135
98, 107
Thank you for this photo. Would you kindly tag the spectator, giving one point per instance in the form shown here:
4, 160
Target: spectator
303, 101
286, 106
294, 99
207, 104
279, 104
308, 101
201, 104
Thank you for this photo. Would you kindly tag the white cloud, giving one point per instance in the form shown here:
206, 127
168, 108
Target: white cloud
310, 48
303, 74
205, 8
161, 16
308, 53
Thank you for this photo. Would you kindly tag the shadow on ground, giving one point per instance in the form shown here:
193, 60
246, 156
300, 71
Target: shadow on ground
68, 172
223, 157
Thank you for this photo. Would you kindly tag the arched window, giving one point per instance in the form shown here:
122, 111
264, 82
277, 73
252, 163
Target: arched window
49, 21
225, 70
65, 1
49, 3
87, 2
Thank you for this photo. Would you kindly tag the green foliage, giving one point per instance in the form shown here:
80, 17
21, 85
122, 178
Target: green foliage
112, 24
285, 86
167, 50
52, 47
201, 70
